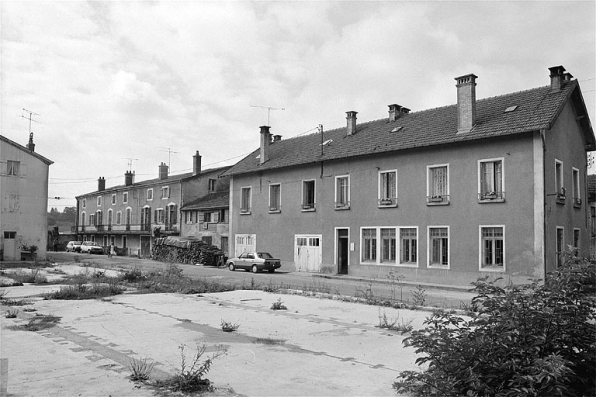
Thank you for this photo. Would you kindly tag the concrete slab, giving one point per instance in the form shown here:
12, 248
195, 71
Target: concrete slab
318, 347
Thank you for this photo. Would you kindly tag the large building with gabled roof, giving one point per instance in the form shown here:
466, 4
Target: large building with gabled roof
495, 186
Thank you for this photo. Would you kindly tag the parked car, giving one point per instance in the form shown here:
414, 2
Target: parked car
74, 246
91, 247
254, 261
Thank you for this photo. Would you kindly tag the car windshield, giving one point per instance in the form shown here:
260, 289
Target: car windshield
264, 255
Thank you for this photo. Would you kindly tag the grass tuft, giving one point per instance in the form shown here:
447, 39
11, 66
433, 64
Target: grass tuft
140, 370
279, 305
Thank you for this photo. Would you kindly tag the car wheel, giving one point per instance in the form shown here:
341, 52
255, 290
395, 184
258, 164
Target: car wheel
231, 267
255, 269
271, 270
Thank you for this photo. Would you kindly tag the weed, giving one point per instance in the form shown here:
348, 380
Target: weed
3, 293
270, 287
190, 376
419, 296
134, 275
279, 305
317, 285
77, 259
227, 326
37, 323
29, 309
84, 291
396, 279
15, 302
11, 313
366, 294
393, 324
140, 370
33, 277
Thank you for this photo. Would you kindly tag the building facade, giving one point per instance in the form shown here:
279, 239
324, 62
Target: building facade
492, 187
132, 214
23, 199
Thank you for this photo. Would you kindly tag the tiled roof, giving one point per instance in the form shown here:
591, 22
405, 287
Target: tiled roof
536, 109
213, 200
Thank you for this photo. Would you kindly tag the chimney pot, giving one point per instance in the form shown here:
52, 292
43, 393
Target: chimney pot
351, 118
265, 141
196, 169
31, 145
276, 138
556, 77
129, 178
466, 102
396, 111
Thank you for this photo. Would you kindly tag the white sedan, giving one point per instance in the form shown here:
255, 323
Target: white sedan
254, 261
91, 247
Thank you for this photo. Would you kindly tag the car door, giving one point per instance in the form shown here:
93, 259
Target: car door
241, 263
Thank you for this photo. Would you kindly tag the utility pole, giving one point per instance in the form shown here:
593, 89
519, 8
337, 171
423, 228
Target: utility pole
170, 151
269, 109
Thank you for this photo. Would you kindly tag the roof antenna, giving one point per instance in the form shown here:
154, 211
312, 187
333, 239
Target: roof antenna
269, 109
170, 151
129, 163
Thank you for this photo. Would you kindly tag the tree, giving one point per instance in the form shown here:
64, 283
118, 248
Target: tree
537, 339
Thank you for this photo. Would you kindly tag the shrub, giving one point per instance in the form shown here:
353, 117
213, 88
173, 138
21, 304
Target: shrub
279, 305
227, 326
522, 340
419, 296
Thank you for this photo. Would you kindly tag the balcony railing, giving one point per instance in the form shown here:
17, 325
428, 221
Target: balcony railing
130, 228
388, 202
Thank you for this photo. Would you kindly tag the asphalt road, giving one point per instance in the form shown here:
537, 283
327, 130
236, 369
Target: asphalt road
340, 285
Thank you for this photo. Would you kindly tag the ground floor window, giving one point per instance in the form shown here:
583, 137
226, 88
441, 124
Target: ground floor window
369, 245
560, 240
492, 249
388, 248
409, 246
438, 246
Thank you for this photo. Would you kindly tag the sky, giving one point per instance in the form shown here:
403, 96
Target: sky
156, 81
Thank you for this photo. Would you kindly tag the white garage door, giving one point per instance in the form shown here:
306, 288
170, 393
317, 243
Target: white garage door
245, 243
308, 253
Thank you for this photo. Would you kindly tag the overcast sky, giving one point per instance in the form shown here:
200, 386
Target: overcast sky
114, 80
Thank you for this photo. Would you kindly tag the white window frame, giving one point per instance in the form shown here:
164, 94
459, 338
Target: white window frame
386, 201
160, 217
113, 198
575, 180
13, 168
307, 207
124, 197
119, 218
211, 185
83, 218
99, 201
493, 268
275, 208
429, 247
375, 261
345, 205
245, 208
559, 181
188, 217
165, 192
436, 199
559, 251
110, 217
150, 193
399, 247
380, 246
127, 218
487, 197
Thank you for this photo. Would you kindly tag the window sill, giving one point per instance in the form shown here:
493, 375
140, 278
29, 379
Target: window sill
308, 209
491, 201
394, 205
275, 211
342, 208
432, 204
413, 264
438, 267
499, 269
244, 212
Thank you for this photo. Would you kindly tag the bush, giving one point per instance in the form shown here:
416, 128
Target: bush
522, 340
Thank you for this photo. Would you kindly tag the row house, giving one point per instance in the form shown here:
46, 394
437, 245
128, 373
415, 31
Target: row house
130, 215
496, 187
23, 200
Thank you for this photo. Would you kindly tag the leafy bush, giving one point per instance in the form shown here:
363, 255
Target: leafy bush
537, 339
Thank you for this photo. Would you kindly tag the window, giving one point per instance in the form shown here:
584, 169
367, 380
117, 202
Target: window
369, 245
207, 217
159, 214
438, 184
308, 195
560, 250
577, 201
342, 192
92, 219
113, 199
118, 217
222, 215
275, 198
438, 246
560, 189
172, 214
149, 194
408, 238
165, 192
128, 216
388, 188
99, 218
245, 200
84, 203
98, 201
188, 217
388, 248
576, 247
211, 186
491, 180
10, 235
125, 197
83, 219
492, 248
109, 217
146, 217
13, 168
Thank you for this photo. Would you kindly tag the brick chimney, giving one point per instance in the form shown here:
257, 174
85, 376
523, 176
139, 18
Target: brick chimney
265, 141
351, 118
396, 111
31, 145
129, 178
196, 164
276, 138
556, 78
466, 102
101, 184
163, 171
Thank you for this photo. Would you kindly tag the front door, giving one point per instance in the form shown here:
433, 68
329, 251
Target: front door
145, 246
10, 246
307, 253
342, 251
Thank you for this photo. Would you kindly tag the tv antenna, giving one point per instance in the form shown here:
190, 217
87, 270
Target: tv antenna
269, 109
170, 151
30, 118
129, 163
